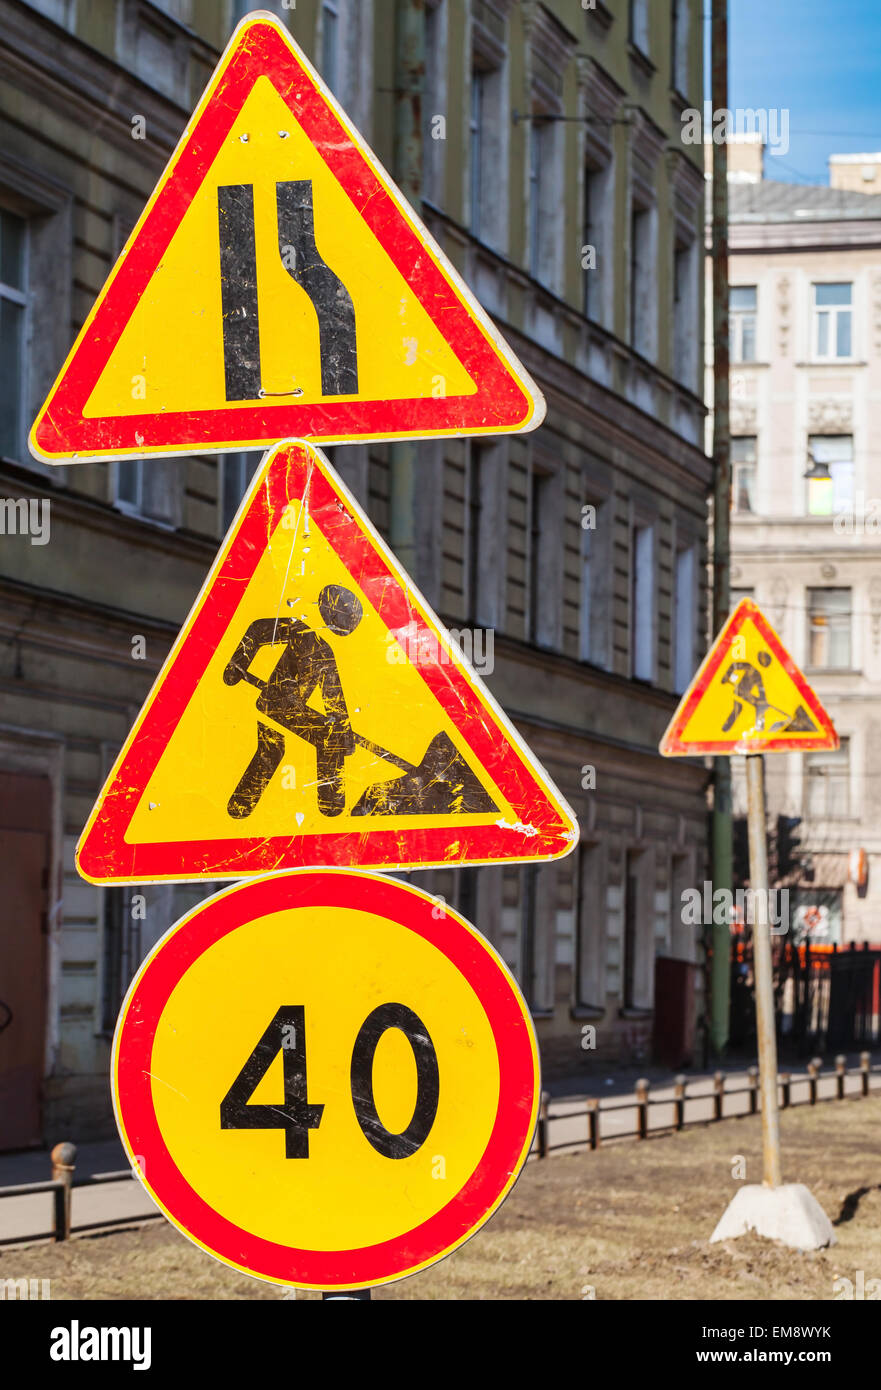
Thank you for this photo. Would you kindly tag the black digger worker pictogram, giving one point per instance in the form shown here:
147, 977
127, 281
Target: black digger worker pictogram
442, 783
306, 665
749, 689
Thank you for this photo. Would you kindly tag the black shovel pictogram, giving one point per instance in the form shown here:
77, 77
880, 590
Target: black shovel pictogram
442, 783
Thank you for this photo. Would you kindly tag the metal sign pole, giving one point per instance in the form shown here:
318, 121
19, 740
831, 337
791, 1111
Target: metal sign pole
767, 1038
350, 1295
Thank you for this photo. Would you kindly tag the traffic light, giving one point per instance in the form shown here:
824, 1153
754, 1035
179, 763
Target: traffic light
788, 846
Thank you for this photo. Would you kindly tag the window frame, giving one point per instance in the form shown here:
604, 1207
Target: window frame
22, 299
817, 769
639, 26
736, 320
830, 627
837, 501
123, 504
248, 463
834, 311
476, 146
641, 616
684, 619
330, 8
738, 467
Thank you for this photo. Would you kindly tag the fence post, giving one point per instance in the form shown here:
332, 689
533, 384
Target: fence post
63, 1163
543, 1125
642, 1105
718, 1094
864, 1068
753, 1082
593, 1123
785, 1081
814, 1066
679, 1097
840, 1074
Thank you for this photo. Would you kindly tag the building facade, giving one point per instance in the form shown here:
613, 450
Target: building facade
805, 305
554, 177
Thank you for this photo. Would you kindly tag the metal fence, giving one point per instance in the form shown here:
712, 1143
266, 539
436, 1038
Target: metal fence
825, 997
593, 1109
61, 1187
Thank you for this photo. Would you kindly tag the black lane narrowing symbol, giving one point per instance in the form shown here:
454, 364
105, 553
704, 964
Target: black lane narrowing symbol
302, 259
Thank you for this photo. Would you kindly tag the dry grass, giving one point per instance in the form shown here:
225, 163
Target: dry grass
632, 1221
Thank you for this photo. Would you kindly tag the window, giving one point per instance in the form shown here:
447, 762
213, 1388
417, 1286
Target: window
478, 117
743, 473
829, 628
742, 303
433, 103
596, 583
129, 483
827, 496
827, 783
544, 557
685, 315
586, 640
684, 617
122, 952
590, 930
528, 933
149, 488
475, 528
639, 24
61, 11
679, 41
635, 922
180, 10
597, 184
642, 603
13, 304
543, 220
488, 151
237, 470
832, 321
536, 921
330, 23
642, 282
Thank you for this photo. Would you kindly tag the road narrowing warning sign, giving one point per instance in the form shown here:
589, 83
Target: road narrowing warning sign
277, 286
324, 1079
314, 711
748, 697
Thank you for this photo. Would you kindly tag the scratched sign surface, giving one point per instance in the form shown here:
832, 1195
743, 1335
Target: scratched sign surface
324, 1082
748, 697
278, 286
313, 711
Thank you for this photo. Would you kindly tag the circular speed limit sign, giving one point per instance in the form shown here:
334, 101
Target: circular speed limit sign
326, 1079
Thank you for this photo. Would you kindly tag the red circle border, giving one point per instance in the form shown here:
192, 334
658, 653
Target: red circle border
508, 1017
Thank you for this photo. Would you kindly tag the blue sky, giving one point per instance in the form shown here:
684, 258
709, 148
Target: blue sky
821, 59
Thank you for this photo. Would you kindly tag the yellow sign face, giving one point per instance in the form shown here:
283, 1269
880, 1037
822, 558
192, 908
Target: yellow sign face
278, 286
748, 697
325, 1079
170, 346
313, 711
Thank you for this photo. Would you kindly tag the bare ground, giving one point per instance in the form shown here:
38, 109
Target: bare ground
631, 1221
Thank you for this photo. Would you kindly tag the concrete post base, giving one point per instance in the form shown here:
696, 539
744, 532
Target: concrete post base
788, 1214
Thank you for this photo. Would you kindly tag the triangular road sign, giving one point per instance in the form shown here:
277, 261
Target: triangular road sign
313, 711
277, 286
748, 697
